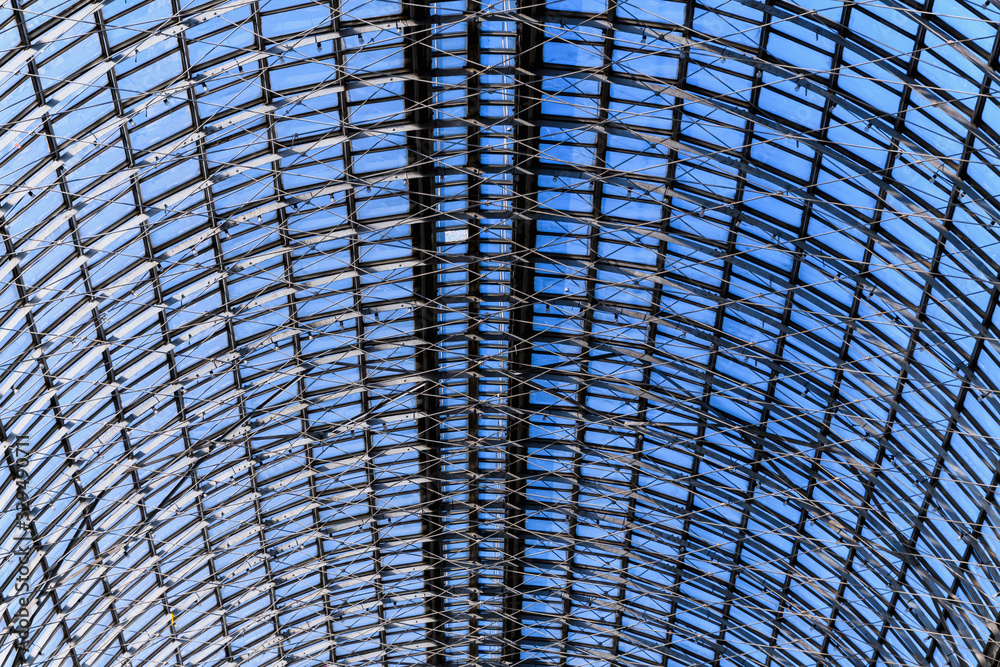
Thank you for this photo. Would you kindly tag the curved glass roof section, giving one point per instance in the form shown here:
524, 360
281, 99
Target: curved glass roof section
642, 333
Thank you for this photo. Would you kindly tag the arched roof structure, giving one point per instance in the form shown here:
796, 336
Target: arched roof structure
642, 333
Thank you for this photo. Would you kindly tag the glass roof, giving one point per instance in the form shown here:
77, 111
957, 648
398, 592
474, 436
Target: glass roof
617, 333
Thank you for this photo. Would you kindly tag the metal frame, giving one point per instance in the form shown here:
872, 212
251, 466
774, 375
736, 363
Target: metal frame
580, 332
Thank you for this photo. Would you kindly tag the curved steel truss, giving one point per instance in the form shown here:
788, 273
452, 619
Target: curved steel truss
637, 333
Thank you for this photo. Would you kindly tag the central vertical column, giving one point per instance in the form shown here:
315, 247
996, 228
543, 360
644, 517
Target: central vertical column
419, 101
527, 103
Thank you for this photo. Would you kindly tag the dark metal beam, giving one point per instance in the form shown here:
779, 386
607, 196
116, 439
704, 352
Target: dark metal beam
527, 103
418, 39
